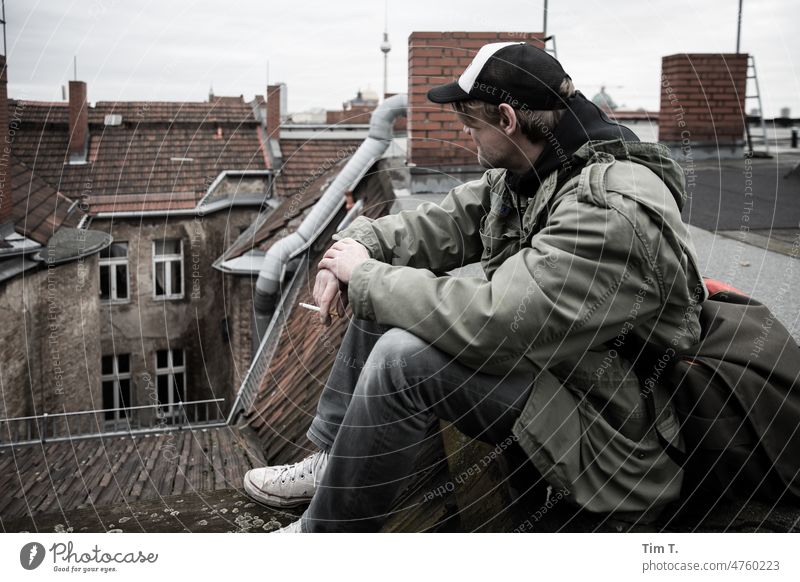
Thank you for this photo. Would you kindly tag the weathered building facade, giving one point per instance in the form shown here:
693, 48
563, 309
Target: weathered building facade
142, 327
48, 290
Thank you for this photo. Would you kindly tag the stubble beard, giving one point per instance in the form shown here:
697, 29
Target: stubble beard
487, 159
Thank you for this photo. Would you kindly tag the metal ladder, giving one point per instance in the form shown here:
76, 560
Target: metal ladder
751, 74
551, 49
547, 39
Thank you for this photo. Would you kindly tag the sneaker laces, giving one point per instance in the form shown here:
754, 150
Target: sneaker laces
312, 466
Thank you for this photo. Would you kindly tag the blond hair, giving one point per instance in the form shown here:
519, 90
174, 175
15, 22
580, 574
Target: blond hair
536, 125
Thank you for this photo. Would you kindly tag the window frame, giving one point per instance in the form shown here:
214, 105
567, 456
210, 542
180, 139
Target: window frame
112, 263
172, 406
167, 259
116, 377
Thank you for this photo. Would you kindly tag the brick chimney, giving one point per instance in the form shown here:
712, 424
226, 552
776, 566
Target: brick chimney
702, 104
435, 58
6, 203
273, 111
440, 153
78, 121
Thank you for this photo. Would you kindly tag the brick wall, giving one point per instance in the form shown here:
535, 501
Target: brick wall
702, 99
435, 58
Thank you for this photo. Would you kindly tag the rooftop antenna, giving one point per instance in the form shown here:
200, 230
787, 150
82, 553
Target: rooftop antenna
544, 23
3, 20
739, 28
75, 67
385, 48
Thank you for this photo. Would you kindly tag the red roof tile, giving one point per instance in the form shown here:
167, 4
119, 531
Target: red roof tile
290, 389
38, 111
39, 210
304, 160
219, 110
134, 203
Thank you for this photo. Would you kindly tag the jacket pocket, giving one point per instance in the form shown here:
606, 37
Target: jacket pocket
606, 381
500, 237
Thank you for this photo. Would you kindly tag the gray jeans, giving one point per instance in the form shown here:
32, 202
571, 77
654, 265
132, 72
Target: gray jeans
385, 392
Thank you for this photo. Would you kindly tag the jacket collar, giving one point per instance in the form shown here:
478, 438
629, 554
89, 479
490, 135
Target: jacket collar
583, 121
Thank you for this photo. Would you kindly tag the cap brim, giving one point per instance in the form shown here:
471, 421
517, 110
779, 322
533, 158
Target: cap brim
448, 93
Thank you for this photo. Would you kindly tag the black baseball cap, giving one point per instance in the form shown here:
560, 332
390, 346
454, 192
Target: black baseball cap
516, 73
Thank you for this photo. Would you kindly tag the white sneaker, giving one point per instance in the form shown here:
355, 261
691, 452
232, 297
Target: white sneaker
286, 485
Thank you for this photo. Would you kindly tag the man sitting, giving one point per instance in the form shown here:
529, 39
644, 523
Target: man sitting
577, 226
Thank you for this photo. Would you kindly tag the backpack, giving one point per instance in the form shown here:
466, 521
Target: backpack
736, 394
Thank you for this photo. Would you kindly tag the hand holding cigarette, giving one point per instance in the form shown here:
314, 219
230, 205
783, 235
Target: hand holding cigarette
329, 295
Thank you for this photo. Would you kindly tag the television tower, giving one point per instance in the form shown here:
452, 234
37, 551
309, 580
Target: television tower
385, 48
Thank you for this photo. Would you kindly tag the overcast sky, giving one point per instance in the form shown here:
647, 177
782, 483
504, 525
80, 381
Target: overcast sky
326, 50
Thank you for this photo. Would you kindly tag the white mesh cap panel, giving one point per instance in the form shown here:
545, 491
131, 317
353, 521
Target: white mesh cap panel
467, 78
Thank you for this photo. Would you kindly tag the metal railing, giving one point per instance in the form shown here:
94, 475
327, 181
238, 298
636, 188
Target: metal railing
149, 418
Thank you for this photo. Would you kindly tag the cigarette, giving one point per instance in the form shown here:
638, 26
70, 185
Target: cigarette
310, 307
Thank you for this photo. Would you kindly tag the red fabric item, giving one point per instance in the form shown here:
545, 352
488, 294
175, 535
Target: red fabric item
715, 286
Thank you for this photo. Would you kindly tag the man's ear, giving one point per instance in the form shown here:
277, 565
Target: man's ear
508, 119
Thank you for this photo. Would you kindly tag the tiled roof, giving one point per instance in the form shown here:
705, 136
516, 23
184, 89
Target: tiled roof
304, 160
220, 109
39, 111
289, 389
159, 147
309, 166
134, 203
39, 210
60, 476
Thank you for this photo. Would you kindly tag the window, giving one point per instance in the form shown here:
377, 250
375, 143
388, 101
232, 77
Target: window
116, 379
168, 268
170, 381
114, 273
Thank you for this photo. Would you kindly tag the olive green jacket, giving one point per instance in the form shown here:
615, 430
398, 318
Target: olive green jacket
568, 278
